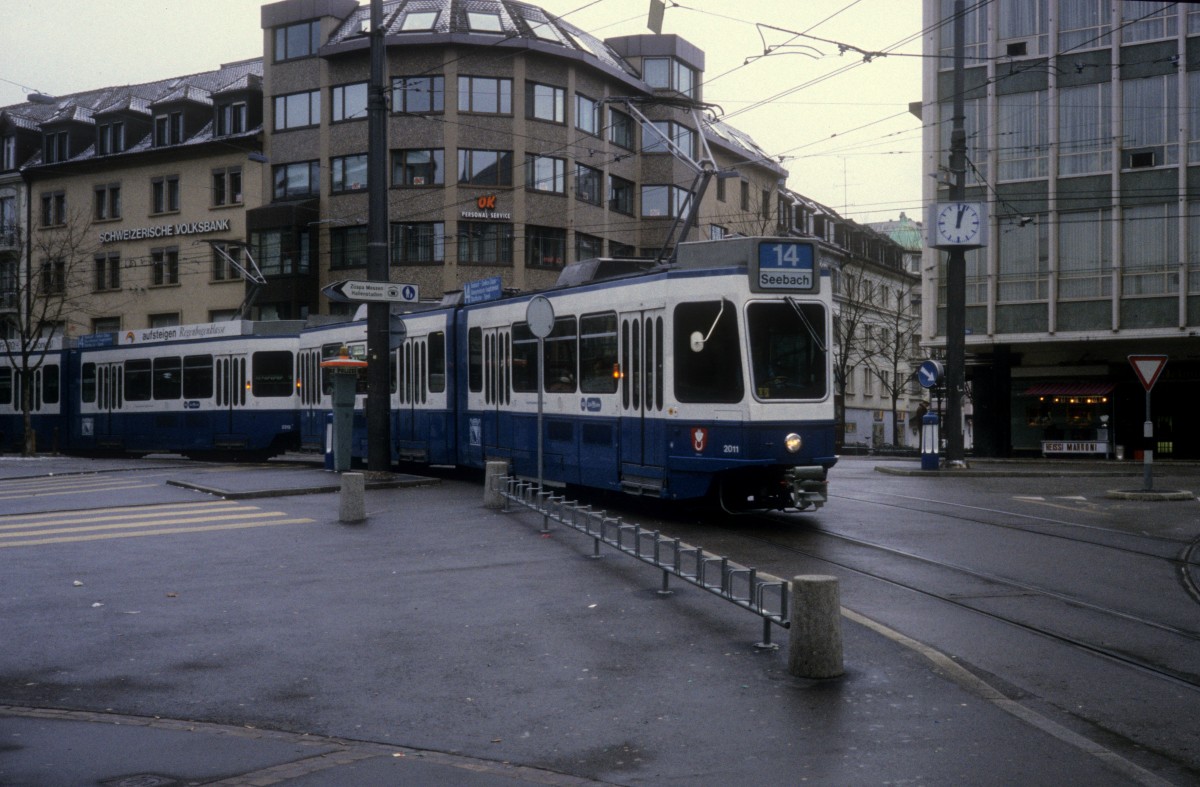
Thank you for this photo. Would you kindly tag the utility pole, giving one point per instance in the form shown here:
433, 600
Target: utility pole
956, 273
379, 444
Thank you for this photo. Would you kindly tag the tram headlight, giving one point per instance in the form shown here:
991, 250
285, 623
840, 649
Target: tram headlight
793, 443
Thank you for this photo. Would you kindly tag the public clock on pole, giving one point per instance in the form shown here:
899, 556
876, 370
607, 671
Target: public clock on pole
958, 225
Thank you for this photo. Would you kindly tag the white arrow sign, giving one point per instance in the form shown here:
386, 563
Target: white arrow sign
386, 291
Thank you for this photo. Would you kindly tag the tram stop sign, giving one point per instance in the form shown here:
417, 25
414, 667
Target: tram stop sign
1148, 368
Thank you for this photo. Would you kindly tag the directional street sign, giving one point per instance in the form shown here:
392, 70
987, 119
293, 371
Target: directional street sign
930, 374
1148, 368
350, 290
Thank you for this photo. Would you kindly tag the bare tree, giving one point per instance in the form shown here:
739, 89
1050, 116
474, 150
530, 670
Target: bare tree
898, 328
853, 326
54, 286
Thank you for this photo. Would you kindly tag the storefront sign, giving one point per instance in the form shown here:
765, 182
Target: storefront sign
1074, 447
485, 208
166, 230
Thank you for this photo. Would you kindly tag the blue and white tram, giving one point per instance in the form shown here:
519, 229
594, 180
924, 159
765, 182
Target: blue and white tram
45, 369
710, 377
224, 389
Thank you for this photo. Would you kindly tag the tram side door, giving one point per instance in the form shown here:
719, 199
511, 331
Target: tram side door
497, 393
230, 386
110, 397
642, 432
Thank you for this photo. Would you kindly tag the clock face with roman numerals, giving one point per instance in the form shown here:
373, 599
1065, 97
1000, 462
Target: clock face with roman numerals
958, 224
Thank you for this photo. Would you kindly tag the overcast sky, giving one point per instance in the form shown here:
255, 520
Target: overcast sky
840, 125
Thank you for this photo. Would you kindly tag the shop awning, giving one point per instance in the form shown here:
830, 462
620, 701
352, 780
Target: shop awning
1099, 388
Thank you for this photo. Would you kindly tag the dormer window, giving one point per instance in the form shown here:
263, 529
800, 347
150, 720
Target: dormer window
231, 118
111, 138
168, 129
669, 74
481, 22
57, 147
419, 20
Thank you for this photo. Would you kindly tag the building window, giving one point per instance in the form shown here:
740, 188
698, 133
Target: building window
588, 115
54, 208
721, 189
975, 124
620, 129
227, 186
975, 21
295, 180
589, 183
1151, 235
418, 94
168, 129
110, 138
620, 195
282, 252
297, 110
546, 174
1085, 255
1027, 20
485, 167
348, 247
683, 137
107, 203
1149, 110
418, 242
164, 320
1024, 263
227, 257
10, 153
108, 271
669, 74
1146, 21
349, 102
164, 194
664, 201
485, 95
419, 20
545, 102
231, 118
54, 276
484, 22
105, 325
8, 223
300, 40
717, 232
744, 202
588, 247
164, 264
418, 167
1024, 139
349, 173
1085, 129
1084, 24
57, 147
482, 242
545, 247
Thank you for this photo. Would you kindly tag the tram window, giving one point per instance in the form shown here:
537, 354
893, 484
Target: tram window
475, 362
786, 353
437, 362
138, 380
524, 359
559, 357
50, 383
272, 373
712, 373
598, 353
87, 383
197, 376
168, 380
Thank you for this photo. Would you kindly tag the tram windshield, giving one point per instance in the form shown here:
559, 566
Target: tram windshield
788, 349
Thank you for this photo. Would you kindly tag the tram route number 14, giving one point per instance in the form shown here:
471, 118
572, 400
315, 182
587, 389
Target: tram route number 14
785, 266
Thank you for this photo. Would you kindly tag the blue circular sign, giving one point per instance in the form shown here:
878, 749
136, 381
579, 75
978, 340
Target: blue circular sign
930, 374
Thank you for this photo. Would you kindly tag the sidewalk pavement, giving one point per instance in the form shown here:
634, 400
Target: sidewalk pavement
522, 662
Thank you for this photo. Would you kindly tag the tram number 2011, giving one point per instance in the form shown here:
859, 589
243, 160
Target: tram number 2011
731, 449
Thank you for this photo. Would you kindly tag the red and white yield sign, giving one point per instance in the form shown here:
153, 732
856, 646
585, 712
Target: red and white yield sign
1148, 368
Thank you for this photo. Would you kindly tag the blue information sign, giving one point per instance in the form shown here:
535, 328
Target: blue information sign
930, 374
482, 290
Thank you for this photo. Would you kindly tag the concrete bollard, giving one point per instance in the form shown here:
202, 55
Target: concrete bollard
815, 645
353, 505
491, 492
